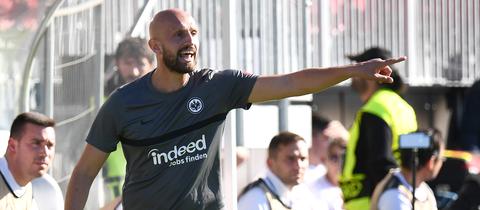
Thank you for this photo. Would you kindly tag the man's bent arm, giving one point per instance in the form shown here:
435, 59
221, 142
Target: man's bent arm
314, 80
82, 177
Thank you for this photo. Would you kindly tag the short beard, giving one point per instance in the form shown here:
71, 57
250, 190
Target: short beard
171, 61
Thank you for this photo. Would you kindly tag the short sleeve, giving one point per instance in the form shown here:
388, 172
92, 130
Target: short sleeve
104, 131
237, 86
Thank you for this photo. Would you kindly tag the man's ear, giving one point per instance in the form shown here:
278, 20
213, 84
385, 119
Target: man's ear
269, 162
431, 162
12, 145
154, 46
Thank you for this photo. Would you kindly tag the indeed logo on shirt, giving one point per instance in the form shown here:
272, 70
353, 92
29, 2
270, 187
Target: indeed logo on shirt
176, 155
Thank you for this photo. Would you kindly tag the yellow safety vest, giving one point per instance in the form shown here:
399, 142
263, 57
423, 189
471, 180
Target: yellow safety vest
399, 116
115, 167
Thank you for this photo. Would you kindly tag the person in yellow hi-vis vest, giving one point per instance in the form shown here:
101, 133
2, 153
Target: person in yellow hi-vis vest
372, 148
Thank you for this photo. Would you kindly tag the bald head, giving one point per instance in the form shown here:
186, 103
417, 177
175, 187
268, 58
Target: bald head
166, 19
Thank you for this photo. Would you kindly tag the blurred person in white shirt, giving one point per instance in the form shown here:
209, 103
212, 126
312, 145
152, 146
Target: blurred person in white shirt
29, 153
395, 191
326, 188
323, 132
279, 189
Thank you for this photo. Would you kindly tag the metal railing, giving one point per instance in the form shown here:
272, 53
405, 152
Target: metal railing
63, 74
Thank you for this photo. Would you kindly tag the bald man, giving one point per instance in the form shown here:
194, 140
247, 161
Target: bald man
170, 121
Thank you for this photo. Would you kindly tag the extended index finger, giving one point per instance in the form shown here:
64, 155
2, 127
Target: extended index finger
391, 61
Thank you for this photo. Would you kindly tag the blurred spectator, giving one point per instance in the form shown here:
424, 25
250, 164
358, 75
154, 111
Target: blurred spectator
470, 126
133, 59
30, 151
374, 134
394, 192
326, 188
287, 162
323, 132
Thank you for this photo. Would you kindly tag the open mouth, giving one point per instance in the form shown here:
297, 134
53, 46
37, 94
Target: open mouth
187, 55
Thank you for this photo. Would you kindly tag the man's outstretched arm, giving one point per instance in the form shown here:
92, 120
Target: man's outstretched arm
314, 80
82, 177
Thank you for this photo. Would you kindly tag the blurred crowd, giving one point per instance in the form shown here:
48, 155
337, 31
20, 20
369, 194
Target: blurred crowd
367, 167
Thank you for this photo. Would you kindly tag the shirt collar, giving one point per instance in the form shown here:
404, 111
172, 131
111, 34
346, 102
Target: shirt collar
16, 189
278, 187
419, 193
403, 180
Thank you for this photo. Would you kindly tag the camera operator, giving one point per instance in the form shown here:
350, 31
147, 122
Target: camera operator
394, 192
